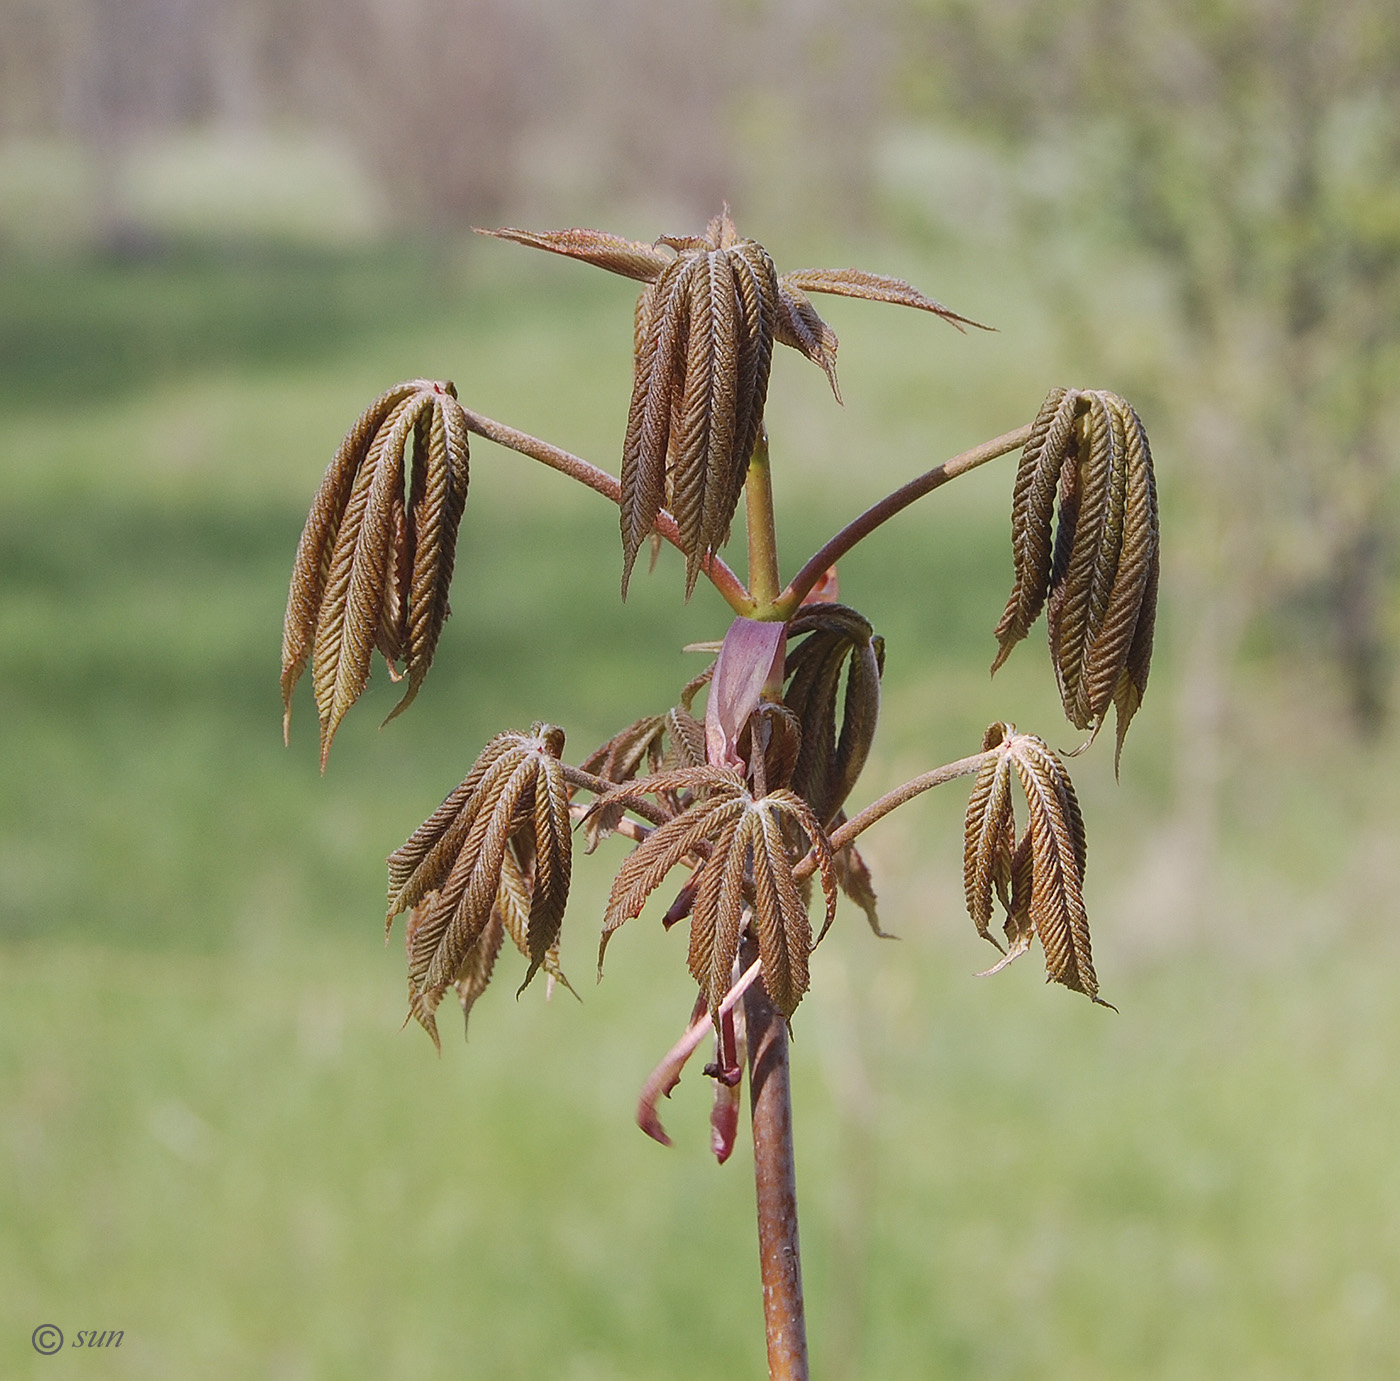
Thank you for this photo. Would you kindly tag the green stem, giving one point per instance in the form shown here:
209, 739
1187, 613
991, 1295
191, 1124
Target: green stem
868, 521
730, 587
763, 536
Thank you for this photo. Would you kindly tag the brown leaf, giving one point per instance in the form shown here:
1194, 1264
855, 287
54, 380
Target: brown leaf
1099, 577
784, 931
989, 842
756, 842
801, 327
623, 754
373, 569
770, 744
1032, 513
720, 797
703, 344
740, 838
1039, 878
718, 916
873, 287
504, 832
656, 378
797, 324
703, 334
630, 258
619, 760
475, 971
853, 877
836, 639
656, 743
514, 903
686, 736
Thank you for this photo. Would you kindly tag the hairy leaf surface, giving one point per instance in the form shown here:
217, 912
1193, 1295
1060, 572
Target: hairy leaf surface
374, 564
503, 833
1038, 878
1098, 577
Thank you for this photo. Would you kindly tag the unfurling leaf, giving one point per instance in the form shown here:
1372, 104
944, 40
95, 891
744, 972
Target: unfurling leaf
718, 796
1100, 573
770, 744
510, 916
631, 258
836, 638
1038, 878
373, 566
703, 334
746, 869
704, 337
499, 847
751, 654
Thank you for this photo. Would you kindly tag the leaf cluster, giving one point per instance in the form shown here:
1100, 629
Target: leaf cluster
1037, 877
493, 859
703, 338
1098, 576
375, 559
738, 841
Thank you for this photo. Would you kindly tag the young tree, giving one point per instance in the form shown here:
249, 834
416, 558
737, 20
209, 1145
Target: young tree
749, 800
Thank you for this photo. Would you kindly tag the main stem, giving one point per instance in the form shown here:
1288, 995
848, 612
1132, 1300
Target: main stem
774, 1171
775, 1180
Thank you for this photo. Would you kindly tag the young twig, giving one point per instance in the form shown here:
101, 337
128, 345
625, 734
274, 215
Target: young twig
600, 481
861, 528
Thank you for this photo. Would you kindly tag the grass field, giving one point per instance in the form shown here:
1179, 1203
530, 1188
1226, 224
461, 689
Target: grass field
213, 1135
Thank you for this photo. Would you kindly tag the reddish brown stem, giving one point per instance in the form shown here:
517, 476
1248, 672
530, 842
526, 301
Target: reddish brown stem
862, 527
891, 800
600, 786
775, 1181
600, 481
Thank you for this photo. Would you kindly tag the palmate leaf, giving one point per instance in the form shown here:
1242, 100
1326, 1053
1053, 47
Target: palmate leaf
740, 837
703, 335
505, 830
1038, 878
704, 348
619, 759
1098, 576
373, 567
718, 795
510, 916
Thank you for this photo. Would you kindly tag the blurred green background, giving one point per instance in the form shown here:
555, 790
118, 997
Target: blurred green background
226, 225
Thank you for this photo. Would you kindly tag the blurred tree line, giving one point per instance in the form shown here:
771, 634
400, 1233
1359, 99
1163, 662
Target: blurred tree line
449, 102
1251, 148
1248, 149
